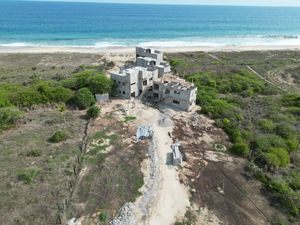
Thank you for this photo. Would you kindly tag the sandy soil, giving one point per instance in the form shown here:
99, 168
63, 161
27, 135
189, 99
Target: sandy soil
170, 198
129, 50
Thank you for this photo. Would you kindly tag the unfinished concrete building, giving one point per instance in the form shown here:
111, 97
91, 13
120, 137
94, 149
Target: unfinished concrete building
174, 91
149, 65
152, 58
151, 76
134, 81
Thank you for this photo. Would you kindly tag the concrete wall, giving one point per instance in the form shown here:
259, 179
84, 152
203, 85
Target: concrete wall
132, 82
176, 97
151, 53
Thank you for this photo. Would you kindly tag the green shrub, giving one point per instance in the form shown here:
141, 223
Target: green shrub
266, 142
291, 100
266, 125
4, 101
27, 175
292, 143
34, 153
9, 116
285, 130
58, 136
100, 84
93, 111
27, 97
289, 199
103, 217
83, 98
78, 80
53, 92
240, 149
277, 157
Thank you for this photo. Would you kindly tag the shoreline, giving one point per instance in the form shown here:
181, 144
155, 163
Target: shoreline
130, 50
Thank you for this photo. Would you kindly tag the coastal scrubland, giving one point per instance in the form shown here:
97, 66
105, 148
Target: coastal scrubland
64, 156
254, 98
57, 160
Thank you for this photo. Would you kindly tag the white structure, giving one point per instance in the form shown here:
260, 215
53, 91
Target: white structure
173, 91
151, 75
177, 156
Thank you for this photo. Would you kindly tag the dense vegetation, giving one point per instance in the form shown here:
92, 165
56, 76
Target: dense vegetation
263, 124
93, 111
78, 91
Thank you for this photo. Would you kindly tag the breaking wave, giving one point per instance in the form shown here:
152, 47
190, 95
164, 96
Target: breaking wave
245, 40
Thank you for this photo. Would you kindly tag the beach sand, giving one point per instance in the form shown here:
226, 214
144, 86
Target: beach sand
130, 50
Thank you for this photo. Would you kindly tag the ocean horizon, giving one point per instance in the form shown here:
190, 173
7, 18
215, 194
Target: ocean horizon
103, 25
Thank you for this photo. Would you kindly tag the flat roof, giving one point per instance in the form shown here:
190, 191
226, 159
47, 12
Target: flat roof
133, 69
174, 81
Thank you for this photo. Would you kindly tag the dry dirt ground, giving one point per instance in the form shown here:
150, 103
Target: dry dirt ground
221, 192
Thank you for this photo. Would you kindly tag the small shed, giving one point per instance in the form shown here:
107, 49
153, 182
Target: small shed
176, 152
102, 97
144, 132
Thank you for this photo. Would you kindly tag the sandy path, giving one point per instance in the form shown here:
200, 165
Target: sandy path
169, 198
172, 197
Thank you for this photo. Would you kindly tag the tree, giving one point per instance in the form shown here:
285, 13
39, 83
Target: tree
83, 98
99, 84
93, 111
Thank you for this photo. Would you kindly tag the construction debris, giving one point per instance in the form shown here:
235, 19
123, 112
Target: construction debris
144, 132
73, 222
125, 216
177, 156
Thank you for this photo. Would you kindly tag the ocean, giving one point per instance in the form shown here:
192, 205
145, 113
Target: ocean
102, 25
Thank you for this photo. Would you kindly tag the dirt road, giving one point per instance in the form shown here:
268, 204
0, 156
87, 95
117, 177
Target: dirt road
164, 197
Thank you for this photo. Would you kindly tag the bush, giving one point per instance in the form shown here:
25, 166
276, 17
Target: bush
27, 97
100, 84
9, 116
54, 93
277, 157
103, 217
267, 125
266, 142
34, 153
291, 100
240, 149
289, 198
83, 98
58, 136
27, 175
292, 143
285, 130
78, 80
93, 112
